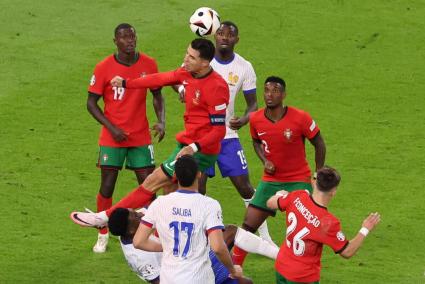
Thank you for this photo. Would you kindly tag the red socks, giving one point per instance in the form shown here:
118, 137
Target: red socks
238, 255
135, 199
103, 203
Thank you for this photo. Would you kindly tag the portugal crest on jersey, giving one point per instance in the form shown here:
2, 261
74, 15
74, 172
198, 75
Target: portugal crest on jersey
288, 134
197, 97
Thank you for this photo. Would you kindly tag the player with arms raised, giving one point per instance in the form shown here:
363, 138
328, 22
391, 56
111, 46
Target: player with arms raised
309, 226
207, 96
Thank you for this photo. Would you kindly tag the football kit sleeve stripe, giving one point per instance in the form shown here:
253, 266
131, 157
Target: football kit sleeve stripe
343, 248
214, 228
250, 92
147, 224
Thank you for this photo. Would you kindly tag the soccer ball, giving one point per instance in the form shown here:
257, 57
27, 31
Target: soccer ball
204, 21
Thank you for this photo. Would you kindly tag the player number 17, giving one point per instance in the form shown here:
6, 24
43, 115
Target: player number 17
180, 229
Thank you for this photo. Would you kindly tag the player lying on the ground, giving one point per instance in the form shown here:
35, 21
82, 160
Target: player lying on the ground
309, 226
124, 223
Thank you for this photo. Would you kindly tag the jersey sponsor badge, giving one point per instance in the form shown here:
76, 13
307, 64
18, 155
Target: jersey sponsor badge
93, 80
143, 74
340, 236
288, 134
197, 97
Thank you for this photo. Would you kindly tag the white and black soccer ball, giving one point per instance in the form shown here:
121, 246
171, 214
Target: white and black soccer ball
204, 21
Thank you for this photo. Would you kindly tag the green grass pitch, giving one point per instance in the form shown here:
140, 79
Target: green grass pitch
356, 66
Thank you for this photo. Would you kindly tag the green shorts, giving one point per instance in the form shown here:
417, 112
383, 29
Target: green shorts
282, 280
204, 161
135, 157
267, 189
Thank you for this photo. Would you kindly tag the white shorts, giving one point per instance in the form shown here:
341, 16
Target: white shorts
146, 264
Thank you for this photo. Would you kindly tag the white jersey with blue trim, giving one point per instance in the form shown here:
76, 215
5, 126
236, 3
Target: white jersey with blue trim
239, 75
183, 220
146, 264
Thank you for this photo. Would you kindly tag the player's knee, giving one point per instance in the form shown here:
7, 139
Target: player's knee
107, 191
249, 228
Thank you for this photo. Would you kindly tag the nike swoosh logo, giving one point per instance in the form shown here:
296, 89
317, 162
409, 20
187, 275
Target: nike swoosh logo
185, 82
261, 133
75, 216
168, 166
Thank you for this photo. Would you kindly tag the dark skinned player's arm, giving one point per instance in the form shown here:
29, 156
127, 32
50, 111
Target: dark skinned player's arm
319, 150
251, 105
96, 112
258, 148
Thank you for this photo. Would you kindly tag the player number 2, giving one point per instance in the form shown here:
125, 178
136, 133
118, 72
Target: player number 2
180, 229
298, 245
118, 93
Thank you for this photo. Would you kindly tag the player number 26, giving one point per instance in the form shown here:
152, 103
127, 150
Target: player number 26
298, 244
182, 231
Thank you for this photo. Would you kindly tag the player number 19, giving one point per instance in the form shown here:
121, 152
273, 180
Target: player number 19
118, 93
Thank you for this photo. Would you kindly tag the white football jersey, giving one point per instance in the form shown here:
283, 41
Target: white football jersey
146, 264
239, 75
183, 220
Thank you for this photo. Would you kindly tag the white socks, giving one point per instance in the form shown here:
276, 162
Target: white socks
254, 244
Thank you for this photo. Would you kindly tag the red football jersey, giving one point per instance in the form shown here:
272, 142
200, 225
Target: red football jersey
206, 102
125, 108
283, 143
309, 226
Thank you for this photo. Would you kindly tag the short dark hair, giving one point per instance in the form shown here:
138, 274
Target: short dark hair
186, 169
205, 47
123, 26
118, 222
275, 79
327, 178
230, 24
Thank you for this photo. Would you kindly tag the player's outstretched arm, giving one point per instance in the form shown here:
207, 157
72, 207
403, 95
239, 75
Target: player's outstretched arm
142, 241
368, 225
272, 203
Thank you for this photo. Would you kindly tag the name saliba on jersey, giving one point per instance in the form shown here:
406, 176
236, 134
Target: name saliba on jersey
182, 212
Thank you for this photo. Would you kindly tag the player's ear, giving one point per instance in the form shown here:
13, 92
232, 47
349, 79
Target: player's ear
237, 40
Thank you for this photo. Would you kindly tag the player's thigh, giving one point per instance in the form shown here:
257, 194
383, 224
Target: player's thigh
111, 157
156, 180
264, 191
140, 157
204, 161
232, 161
